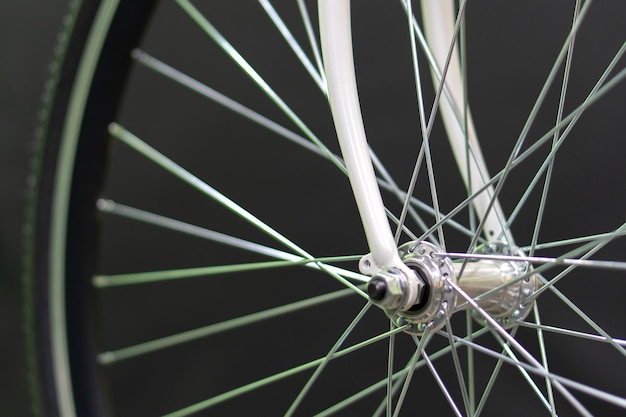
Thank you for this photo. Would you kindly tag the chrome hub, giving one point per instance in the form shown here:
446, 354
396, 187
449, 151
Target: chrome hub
500, 285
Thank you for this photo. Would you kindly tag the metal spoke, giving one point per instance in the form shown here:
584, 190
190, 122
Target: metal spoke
109, 357
318, 371
544, 358
185, 80
293, 44
519, 348
421, 344
202, 405
458, 369
442, 385
167, 164
312, 40
546, 185
104, 281
594, 392
522, 137
575, 241
386, 182
111, 207
531, 383
567, 129
422, 122
572, 333
568, 120
226, 46
541, 260
390, 356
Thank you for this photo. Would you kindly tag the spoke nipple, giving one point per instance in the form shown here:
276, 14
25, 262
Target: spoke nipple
377, 288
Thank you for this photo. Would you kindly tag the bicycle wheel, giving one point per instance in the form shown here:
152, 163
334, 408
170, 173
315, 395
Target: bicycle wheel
193, 243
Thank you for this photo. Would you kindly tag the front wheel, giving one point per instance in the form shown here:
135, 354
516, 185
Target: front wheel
194, 244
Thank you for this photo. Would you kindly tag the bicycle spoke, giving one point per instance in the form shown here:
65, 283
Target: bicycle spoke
386, 182
458, 370
544, 358
183, 79
318, 371
442, 386
293, 44
104, 281
108, 206
471, 380
421, 344
492, 379
312, 40
214, 34
577, 240
422, 363
496, 372
546, 184
540, 260
149, 152
567, 129
494, 325
391, 347
594, 392
128, 352
203, 405
495, 179
522, 137
572, 333
422, 123
595, 326
529, 381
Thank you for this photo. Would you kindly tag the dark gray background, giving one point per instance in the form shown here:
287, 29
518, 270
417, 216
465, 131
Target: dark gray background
28, 31
27, 35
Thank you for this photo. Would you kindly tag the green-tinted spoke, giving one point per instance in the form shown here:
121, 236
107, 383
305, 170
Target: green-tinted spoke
497, 328
308, 26
385, 180
572, 333
217, 37
529, 122
442, 386
561, 136
568, 121
206, 91
432, 357
111, 207
390, 357
458, 369
595, 326
318, 371
471, 380
421, 344
170, 166
102, 281
293, 44
531, 383
555, 138
575, 241
544, 357
422, 123
594, 392
540, 260
110, 357
202, 405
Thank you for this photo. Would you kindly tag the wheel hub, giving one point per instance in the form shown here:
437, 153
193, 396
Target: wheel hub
501, 286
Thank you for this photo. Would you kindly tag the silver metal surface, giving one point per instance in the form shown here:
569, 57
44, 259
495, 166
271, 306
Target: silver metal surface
500, 287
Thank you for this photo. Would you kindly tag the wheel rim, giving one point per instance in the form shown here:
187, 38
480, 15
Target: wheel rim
466, 399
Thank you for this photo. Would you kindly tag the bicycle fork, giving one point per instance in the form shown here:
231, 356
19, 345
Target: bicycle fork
415, 283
